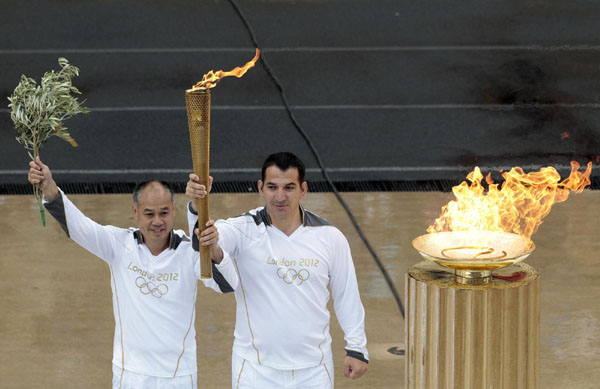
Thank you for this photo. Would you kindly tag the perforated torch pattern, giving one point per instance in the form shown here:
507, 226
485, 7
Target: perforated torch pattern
198, 111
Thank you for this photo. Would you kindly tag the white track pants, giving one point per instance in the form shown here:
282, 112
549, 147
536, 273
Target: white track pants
125, 379
248, 375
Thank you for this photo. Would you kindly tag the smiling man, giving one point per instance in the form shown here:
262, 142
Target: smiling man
154, 272
286, 258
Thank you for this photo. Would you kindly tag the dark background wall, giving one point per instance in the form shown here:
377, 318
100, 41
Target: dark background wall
387, 90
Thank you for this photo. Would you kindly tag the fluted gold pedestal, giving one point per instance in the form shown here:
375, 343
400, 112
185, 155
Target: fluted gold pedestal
472, 336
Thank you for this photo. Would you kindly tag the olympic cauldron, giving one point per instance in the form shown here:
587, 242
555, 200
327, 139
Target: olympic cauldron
473, 306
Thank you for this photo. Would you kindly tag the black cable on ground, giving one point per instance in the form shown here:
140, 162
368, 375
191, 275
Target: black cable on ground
312, 147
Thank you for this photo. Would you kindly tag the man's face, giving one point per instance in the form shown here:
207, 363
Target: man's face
282, 192
154, 213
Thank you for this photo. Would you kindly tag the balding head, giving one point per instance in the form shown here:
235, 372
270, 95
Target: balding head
151, 185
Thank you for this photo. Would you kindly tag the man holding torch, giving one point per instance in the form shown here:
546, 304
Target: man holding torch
154, 272
286, 258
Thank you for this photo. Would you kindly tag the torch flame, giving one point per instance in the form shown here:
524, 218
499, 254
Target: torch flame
210, 79
518, 206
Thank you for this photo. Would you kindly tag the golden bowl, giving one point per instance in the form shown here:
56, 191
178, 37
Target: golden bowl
472, 252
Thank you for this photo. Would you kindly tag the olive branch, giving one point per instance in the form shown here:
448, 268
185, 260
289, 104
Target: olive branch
38, 111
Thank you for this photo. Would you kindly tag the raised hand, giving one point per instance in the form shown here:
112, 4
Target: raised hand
210, 237
195, 190
40, 174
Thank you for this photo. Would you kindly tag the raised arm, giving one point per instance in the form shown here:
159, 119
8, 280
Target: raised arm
225, 278
209, 235
97, 239
226, 240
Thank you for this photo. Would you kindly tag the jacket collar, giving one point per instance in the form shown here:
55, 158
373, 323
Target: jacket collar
174, 239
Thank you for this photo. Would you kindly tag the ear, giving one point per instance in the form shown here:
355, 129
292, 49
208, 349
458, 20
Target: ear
260, 185
135, 212
304, 188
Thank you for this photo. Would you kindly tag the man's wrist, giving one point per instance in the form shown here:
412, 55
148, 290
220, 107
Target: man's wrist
50, 191
217, 255
191, 207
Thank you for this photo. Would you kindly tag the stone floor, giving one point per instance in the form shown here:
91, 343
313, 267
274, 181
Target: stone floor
57, 325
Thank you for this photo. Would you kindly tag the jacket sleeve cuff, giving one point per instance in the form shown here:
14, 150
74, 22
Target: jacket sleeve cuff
225, 262
219, 271
190, 209
357, 355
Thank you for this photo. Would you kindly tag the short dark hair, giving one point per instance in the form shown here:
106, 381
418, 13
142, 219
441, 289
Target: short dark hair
139, 188
284, 160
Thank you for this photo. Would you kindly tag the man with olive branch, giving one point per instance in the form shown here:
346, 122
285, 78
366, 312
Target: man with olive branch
286, 258
154, 274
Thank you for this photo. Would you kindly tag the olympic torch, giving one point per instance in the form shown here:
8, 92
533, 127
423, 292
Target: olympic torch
197, 102
198, 111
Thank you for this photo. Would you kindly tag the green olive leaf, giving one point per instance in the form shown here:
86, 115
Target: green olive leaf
37, 111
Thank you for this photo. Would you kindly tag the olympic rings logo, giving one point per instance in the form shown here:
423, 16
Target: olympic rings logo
149, 287
290, 275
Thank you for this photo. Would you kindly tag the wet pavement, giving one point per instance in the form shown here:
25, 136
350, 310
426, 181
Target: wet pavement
57, 325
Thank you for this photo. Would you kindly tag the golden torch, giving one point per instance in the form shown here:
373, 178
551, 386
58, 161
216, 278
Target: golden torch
197, 102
